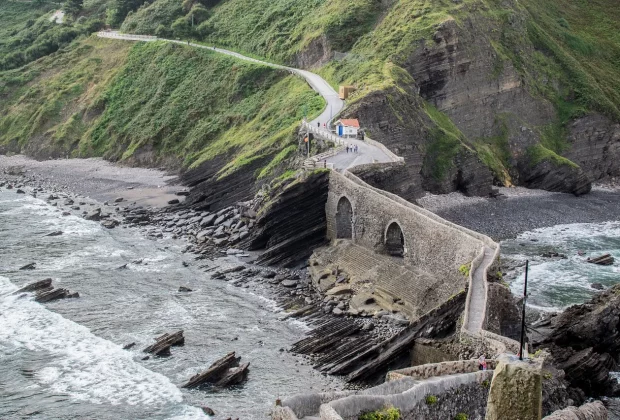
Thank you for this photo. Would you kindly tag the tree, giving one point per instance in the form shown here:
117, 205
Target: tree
118, 9
181, 28
73, 7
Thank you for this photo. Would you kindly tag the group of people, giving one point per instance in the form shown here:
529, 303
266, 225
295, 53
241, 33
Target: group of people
352, 148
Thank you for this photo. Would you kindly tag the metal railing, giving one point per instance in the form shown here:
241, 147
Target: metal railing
323, 133
114, 34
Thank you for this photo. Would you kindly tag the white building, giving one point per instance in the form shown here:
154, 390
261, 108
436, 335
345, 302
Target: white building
347, 128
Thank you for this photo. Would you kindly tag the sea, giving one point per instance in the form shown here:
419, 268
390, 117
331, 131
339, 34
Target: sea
65, 359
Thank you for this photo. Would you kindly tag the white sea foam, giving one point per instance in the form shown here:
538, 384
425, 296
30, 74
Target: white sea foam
81, 365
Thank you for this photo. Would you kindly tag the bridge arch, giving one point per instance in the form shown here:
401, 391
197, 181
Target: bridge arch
395, 239
344, 219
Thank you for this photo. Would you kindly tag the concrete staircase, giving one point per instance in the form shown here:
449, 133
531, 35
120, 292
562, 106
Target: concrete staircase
394, 282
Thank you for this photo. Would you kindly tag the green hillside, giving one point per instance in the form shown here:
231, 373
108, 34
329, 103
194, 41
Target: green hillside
151, 104
66, 92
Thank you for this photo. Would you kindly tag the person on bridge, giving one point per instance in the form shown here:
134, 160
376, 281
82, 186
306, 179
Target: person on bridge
318, 124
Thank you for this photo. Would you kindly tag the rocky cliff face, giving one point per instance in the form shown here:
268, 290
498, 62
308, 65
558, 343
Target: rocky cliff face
291, 222
461, 73
585, 342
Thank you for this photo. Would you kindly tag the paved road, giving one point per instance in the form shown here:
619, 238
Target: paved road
366, 154
334, 103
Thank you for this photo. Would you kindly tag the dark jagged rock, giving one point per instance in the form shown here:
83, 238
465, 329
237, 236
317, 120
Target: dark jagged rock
30, 266
585, 342
110, 223
293, 224
215, 372
174, 201
184, 289
37, 285
43, 296
94, 215
388, 177
163, 343
553, 177
128, 346
606, 259
234, 376
56, 233
20, 191
211, 193
208, 411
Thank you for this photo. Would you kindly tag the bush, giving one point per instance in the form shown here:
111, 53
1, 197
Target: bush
461, 416
431, 400
386, 414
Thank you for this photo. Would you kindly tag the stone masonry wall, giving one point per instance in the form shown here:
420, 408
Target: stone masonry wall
433, 247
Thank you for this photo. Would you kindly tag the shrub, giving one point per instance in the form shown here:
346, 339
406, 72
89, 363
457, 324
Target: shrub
431, 400
386, 414
464, 269
461, 416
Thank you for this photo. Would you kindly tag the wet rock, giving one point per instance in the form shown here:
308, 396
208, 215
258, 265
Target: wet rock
597, 286
30, 266
224, 372
337, 312
208, 411
20, 191
163, 343
37, 285
122, 267
94, 215
174, 201
55, 233
128, 346
184, 289
119, 200
182, 193
110, 223
289, 283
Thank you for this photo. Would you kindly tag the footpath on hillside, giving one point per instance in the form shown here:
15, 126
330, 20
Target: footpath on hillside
367, 153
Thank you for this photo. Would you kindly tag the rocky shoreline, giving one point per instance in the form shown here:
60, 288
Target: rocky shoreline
208, 236
516, 210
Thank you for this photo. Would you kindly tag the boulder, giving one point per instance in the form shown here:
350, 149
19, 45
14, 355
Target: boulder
94, 215
184, 289
516, 390
55, 233
584, 340
208, 220
174, 201
37, 285
119, 200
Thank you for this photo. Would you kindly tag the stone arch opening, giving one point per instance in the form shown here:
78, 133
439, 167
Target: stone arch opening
344, 219
395, 240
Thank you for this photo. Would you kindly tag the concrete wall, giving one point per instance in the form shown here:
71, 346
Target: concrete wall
431, 244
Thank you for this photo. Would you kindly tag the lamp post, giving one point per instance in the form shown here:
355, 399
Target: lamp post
527, 267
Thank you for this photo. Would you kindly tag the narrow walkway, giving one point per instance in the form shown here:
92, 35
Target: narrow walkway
477, 303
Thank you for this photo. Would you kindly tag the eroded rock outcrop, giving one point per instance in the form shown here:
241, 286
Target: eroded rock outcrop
585, 342
292, 221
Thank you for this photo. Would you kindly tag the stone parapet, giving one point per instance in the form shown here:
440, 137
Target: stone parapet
430, 370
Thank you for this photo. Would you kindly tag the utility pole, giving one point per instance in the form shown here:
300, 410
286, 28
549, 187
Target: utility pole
527, 267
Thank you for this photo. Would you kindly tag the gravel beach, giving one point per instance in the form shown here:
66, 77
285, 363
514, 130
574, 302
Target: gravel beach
100, 179
519, 209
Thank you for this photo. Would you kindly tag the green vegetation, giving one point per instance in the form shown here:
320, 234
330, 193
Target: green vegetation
156, 103
48, 105
390, 413
539, 153
465, 269
461, 416
486, 384
431, 400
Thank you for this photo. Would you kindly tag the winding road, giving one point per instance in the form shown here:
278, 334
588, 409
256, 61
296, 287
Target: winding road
367, 153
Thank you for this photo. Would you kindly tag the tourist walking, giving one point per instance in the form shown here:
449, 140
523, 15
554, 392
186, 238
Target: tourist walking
482, 363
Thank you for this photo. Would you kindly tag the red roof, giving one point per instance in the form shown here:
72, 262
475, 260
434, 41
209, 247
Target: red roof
350, 123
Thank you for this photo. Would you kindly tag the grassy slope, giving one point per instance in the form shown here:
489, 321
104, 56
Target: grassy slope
194, 105
152, 104
44, 104
275, 29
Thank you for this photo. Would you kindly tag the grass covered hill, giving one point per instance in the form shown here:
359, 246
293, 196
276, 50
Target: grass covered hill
151, 104
518, 92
